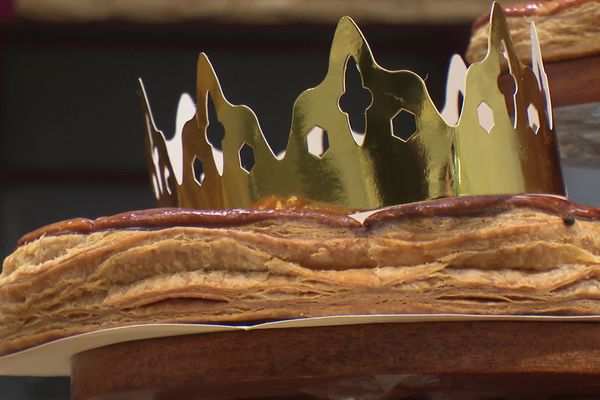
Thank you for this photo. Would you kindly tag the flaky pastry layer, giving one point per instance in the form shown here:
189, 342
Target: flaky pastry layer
572, 31
516, 261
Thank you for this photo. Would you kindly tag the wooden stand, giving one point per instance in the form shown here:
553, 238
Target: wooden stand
466, 360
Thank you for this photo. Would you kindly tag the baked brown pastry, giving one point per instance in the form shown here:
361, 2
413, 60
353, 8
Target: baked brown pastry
566, 29
486, 255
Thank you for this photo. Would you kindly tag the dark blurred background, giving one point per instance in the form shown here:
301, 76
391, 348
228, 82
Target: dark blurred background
71, 131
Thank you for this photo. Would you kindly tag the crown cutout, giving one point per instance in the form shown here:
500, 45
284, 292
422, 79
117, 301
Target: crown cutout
489, 138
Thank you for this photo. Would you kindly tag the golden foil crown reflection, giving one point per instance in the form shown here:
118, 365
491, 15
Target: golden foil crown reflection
499, 142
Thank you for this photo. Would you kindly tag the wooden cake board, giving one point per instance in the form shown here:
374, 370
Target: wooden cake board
449, 360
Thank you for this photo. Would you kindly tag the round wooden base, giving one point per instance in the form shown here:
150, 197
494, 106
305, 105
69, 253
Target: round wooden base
462, 360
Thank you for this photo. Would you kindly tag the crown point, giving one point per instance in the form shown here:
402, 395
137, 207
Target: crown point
346, 19
497, 8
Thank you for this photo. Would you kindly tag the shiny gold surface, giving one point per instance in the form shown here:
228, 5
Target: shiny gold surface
439, 160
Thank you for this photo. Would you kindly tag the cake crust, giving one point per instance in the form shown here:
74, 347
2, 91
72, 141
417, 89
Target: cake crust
484, 255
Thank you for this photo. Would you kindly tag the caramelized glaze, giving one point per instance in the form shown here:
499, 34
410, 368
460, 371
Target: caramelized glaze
486, 205
454, 206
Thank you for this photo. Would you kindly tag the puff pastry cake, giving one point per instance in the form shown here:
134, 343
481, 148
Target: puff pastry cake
566, 28
489, 254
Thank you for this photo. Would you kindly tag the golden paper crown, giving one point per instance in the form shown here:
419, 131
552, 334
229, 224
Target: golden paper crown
497, 143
